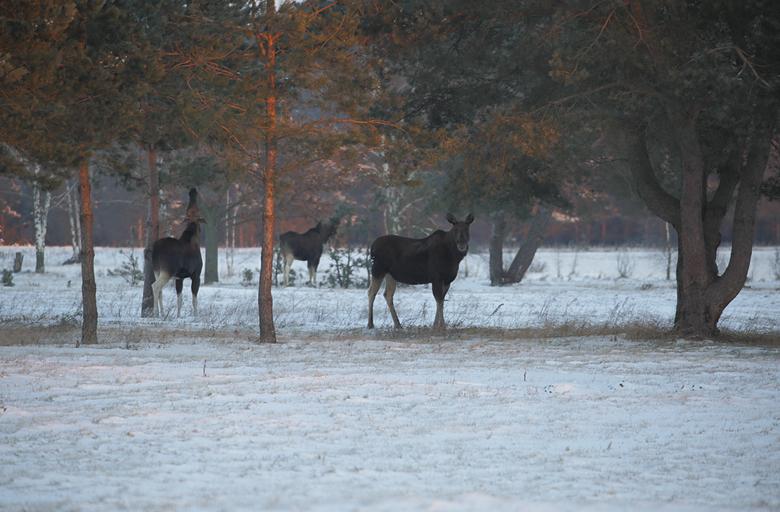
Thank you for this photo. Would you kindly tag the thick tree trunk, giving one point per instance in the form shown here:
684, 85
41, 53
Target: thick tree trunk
211, 230
525, 254
694, 314
496, 249
88, 286
41, 204
151, 231
264, 295
702, 295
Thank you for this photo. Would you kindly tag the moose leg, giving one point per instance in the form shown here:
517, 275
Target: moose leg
161, 279
288, 261
179, 288
194, 288
312, 275
390, 285
373, 288
439, 291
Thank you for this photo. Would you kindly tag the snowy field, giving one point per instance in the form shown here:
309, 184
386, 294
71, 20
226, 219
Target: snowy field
571, 287
191, 415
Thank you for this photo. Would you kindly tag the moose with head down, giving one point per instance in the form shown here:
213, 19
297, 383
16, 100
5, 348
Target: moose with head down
306, 247
434, 259
179, 258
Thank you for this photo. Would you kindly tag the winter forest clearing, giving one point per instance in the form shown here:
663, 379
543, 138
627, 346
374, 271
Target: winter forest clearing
189, 413
572, 208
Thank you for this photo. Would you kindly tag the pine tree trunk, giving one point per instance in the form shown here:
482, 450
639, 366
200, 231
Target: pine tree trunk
151, 231
264, 295
88, 286
702, 294
496, 249
527, 251
694, 312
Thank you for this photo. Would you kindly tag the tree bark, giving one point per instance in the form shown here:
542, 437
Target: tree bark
702, 294
211, 230
525, 254
496, 249
88, 286
75, 224
152, 231
41, 204
264, 295
230, 234
695, 314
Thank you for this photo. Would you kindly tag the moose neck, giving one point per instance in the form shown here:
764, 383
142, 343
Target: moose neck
190, 234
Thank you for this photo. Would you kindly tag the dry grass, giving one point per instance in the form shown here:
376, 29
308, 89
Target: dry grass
130, 336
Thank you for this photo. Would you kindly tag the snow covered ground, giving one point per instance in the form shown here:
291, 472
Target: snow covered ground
176, 414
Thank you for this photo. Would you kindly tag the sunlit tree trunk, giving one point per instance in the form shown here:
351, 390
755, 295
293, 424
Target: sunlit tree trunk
151, 231
264, 295
88, 286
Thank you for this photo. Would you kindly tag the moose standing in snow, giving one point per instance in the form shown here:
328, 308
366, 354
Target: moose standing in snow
434, 259
179, 258
306, 247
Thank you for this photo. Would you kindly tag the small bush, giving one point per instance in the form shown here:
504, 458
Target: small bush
246, 277
8, 278
346, 268
129, 270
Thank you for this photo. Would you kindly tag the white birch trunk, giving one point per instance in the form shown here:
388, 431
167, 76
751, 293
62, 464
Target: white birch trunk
74, 221
41, 204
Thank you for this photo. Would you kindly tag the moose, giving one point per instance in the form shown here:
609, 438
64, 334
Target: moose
434, 259
306, 247
179, 258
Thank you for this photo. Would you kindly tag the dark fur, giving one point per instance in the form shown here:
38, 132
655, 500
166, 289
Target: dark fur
434, 259
179, 259
306, 247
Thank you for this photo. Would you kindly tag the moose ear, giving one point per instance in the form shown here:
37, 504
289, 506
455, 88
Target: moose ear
469, 219
451, 218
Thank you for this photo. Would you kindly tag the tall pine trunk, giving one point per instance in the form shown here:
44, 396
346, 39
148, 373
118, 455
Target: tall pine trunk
88, 286
151, 231
264, 295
